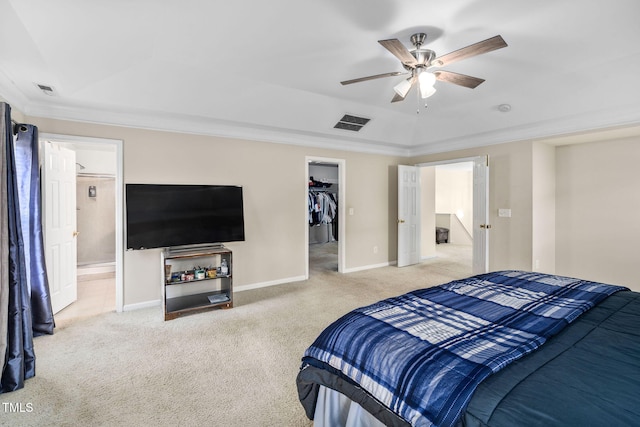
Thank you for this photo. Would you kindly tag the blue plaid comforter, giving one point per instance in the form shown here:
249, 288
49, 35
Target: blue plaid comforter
422, 354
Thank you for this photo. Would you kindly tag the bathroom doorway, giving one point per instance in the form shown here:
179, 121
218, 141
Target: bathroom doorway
97, 265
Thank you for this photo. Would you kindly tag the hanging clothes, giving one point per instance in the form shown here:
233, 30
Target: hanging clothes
323, 207
323, 211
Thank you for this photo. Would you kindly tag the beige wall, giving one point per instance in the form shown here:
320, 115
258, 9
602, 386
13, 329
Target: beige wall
595, 187
95, 220
574, 207
427, 210
273, 177
597, 221
543, 215
454, 194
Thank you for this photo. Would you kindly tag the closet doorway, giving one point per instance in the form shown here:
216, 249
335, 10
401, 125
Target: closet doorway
324, 214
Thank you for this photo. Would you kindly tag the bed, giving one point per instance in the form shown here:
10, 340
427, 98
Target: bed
506, 348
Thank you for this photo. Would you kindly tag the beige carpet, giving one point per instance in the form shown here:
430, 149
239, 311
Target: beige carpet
222, 368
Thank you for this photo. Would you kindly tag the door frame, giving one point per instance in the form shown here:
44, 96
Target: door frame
473, 159
342, 184
119, 202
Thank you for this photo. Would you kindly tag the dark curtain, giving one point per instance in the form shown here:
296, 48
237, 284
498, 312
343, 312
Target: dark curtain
28, 177
16, 321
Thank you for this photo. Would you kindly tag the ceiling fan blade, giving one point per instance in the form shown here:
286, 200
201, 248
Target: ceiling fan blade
377, 76
399, 51
397, 98
496, 42
458, 79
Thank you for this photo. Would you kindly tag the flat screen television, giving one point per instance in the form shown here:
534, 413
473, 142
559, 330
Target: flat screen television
167, 215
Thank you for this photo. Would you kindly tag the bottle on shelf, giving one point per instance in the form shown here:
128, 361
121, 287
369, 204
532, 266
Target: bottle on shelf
224, 268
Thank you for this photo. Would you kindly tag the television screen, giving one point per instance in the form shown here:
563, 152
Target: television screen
166, 215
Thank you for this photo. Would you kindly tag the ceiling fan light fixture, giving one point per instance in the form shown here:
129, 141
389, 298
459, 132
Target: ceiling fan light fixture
403, 87
426, 79
427, 91
418, 60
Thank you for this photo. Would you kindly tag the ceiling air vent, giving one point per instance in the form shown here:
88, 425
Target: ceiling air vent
47, 90
352, 123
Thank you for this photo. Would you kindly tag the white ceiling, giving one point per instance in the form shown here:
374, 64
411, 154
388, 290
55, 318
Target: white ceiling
270, 70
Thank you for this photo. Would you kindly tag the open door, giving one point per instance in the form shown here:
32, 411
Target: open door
481, 224
59, 203
408, 215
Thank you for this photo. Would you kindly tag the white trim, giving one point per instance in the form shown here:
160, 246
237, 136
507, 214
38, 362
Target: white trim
141, 305
236, 289
544, 129
370, 267
242, 288
155, 121
55, 137
473, 159
118, 143
107, 267
602, 119
267, 284
450, 161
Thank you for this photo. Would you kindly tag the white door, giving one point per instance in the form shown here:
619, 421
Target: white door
408, 215
59, 200
481, 224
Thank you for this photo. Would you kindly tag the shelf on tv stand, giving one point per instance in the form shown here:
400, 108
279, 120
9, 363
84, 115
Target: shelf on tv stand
175, 307
184, 282
190, 296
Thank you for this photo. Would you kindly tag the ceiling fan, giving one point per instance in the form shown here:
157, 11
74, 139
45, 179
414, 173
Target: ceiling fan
418, 61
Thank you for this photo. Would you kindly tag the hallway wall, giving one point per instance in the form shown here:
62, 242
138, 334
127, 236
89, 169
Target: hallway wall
597, 205
96, 220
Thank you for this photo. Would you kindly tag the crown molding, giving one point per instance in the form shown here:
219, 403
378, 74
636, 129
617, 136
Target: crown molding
544, 129
151, 120
213, 127
11, 94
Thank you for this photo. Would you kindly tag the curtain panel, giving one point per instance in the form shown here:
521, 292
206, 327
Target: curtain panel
28, 178
5, 136
24, 289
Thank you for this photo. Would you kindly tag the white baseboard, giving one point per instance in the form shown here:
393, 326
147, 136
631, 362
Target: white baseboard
269, 283
141, 305
369, 267
158, 303
107, 267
